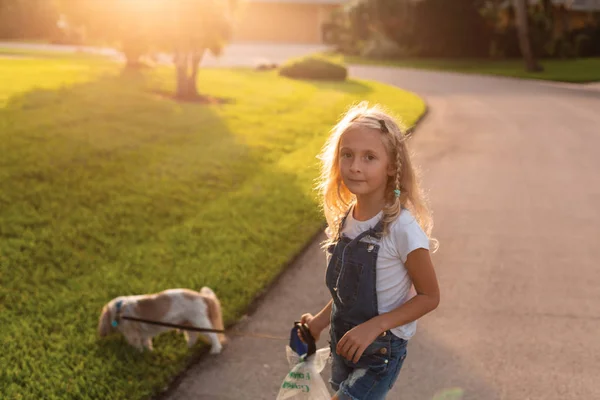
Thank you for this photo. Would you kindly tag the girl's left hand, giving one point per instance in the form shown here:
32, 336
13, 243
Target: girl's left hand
352, 345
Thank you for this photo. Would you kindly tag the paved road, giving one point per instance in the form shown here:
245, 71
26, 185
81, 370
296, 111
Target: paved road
514, 178
512, 169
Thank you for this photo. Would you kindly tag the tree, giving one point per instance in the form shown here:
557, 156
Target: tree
427, 28
126, 24
188, 30
451, 29
184, 28
396, 19
27, 19
531, 64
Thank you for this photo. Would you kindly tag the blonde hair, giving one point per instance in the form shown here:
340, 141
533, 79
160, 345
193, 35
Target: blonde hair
337, 199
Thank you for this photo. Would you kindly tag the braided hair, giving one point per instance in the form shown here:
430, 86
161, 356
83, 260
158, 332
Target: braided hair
402, 189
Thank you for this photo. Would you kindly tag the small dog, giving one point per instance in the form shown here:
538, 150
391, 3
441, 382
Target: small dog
175, 306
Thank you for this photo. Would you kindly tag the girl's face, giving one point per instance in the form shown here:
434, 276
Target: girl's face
364, 162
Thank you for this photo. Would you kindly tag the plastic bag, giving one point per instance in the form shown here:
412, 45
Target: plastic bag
304, 381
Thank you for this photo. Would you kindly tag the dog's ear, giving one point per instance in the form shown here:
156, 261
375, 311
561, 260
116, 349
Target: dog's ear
104, 324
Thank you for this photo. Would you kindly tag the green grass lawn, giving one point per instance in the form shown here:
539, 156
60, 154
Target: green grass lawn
25, 52
108, 188
575, 71
26, 73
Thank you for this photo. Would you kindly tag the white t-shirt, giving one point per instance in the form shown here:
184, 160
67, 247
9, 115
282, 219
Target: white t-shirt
394, 286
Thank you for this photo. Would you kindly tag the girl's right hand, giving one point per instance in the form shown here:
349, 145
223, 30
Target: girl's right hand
313, 326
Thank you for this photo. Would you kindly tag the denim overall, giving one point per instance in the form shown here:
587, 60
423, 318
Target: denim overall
351, 279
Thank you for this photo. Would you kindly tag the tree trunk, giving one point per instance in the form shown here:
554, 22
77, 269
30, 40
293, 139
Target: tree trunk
187, 64
181, 68
195, 59
547, 5
132, 55
531, 64
186, 89
132, 59
564, 19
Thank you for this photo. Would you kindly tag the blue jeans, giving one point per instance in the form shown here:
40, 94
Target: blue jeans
371, 382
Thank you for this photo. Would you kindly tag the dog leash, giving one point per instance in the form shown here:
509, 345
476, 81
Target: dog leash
305, 346
206, 330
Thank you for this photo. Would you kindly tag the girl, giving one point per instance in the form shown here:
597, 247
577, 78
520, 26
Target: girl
379, 271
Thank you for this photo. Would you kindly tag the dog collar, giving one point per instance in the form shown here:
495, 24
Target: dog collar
115, 321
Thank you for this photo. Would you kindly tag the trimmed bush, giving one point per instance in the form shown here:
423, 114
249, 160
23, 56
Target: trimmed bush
314, 67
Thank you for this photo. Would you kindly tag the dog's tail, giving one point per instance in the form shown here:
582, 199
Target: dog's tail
214, 311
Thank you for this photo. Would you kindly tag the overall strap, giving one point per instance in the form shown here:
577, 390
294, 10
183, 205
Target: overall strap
374, 232
341, 225
377, 230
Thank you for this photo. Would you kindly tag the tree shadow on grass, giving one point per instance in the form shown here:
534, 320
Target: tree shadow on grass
139, 76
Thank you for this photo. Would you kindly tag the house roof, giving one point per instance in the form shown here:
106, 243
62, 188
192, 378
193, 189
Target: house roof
584, 5
576, 5
302, 1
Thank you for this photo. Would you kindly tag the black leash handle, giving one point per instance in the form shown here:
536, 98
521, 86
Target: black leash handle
307, 337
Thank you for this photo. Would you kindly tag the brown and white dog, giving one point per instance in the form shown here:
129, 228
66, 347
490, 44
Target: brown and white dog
175, 306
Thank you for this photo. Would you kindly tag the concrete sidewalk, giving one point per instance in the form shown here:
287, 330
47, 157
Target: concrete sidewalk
254, 368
